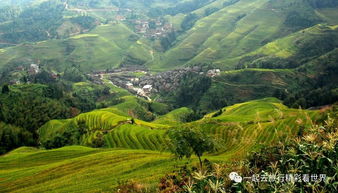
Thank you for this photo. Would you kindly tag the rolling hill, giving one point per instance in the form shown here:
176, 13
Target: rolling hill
272, 39
105, 47
33, 170
236, 32
102, 128
240, 128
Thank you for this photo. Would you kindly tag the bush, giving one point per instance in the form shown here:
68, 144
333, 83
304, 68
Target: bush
211, 178
12, 137
314, 153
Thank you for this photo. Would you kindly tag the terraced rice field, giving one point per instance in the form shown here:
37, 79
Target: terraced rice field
138, 151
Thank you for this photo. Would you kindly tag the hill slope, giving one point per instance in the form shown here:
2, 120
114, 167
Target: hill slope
63, 170
240, 128
252, 120
240, 28
105, 47
231, 31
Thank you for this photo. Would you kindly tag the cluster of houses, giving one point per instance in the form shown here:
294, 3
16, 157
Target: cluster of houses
120, 18
213, 72
24, 72
145, 86
145, 91
122, 78
152, 28
33, 69
147, 28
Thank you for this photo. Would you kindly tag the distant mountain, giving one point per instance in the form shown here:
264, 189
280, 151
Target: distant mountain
158, 35
237, 29
220, 32
4, 3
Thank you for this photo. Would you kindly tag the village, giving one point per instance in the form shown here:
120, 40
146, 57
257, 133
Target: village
152, 28
138, 81
148, 84
23, 74
148, 27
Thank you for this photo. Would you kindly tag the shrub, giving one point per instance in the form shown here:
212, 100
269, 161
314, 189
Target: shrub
316, 152
211, 178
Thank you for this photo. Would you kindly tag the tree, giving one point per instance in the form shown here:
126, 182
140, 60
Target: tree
187, 141
191, 89
5, 89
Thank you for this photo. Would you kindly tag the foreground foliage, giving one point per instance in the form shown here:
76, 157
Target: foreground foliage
313, 152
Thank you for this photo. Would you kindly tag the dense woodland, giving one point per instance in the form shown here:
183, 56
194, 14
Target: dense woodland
38, 23
28, 106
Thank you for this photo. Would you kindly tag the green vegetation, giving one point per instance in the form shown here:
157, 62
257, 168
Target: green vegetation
103, 48
29, 169
228, 34
185, 142
176, 116
249, 69
295, 49
13, 137
45, 21
237, 30
313, 152
323, 89
29, 106
242, 127
106, 128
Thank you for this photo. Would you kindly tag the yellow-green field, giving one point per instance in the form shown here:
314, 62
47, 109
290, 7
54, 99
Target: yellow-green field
139, 150
79, 169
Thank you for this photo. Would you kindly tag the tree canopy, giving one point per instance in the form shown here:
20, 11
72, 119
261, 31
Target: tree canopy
187, 141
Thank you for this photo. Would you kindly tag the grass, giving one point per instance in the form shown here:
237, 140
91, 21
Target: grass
113, 122
238, 30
